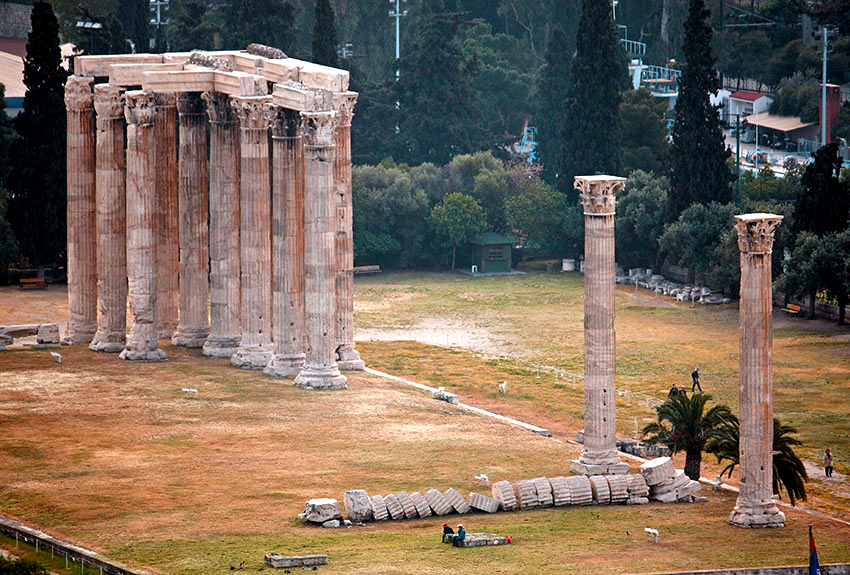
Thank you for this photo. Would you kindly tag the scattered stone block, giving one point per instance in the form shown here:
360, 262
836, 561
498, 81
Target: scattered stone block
483, 503
544, 492
637, 485
483, 540
406, 504
438, 502
657, 470
283, 561
600, 490
421, 504
456, 501
358, 506
526, 494
333, 523
503, 492
379, 508
581, 493
637, 501
321, 510
560, 491
619, 488
48, 334
394, 508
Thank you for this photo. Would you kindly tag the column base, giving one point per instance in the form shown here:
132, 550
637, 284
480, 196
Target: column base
144, 353
580, 468
348, 358
757, 516
251, 356
288, 366
192, 337
79, 335
221, 345
166, 331
321, 378
109, 343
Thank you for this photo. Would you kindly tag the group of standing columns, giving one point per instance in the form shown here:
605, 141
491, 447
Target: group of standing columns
243, 249
754, 507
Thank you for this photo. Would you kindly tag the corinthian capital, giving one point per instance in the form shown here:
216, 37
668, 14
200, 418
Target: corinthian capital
755, 232
218, 107
598, 193
108, 102
139, 107
344, 105
78, 95
165, 99
318, 129
251, 112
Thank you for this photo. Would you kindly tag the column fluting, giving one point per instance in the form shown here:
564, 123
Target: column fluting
167, 254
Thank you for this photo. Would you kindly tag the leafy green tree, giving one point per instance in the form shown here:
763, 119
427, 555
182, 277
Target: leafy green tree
458, 220
192, 26
831, 264
21, 567
824, 200
789, 473
834, 13
440, 115
842, 125
698, 170
535, 212
684, 424
800, 277
640, 219
553, 81
643, 132
729, 46
324, 42
590, 142
37, 181
792, 57
798, 95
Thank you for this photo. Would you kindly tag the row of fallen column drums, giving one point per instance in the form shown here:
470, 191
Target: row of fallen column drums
244, 250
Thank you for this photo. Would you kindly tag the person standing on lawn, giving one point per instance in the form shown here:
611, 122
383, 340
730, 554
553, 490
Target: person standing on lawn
696, 385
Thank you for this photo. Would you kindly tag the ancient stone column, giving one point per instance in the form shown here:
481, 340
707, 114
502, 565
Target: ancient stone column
82, 210
599, 455
287, 244
193, 324
142, 344
755, 507
111, 176
225, 310
167, 257
347, 356
255, 348
320, 366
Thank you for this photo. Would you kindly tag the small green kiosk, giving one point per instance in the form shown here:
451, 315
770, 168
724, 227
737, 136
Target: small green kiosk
494, 253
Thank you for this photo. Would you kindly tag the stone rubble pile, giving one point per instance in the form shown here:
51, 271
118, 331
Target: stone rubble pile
667, 484
46, 335
660, 285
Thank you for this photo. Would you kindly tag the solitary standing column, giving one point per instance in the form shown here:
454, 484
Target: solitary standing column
167, 258
225, 310
320, 367
599, 455
754, 507
287, 244
82, 210
111, 177
193, 325
255, 348
142, 344
348, 357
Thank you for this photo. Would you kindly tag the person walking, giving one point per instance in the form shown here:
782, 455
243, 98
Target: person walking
696, 385
827, 463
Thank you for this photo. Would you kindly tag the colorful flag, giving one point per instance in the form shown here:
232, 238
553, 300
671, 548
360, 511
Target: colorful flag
814, 566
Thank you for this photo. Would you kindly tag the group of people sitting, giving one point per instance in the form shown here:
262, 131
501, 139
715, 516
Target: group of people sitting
675, 391
449, 535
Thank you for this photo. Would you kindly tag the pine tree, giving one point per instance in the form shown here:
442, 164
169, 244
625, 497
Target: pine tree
552, 86
37, 181
590, 132
698, 170
324, 35
824, 200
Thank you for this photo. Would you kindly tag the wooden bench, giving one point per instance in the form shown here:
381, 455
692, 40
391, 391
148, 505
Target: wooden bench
792, 309
362, 270
33, 283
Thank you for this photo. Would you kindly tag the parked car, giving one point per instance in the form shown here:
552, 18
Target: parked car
748, 136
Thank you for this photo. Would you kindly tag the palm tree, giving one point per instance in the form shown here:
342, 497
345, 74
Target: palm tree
789, 473
685, 425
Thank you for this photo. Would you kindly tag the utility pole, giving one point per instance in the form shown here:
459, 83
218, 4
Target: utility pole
823, 94
397, 14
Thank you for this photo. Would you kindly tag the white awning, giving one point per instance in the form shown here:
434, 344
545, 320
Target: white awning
779, 123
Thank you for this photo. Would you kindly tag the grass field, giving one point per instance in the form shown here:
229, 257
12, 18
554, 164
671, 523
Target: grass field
116, 458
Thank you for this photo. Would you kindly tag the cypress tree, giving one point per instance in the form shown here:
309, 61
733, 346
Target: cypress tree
823, 202
590, 133
324, 35
552, 87
37, 181
698, 170
141, 26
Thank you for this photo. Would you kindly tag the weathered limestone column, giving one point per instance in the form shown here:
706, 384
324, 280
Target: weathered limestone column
320, 367
599, 455
225, 310
111, 176
255, 348
167, 256
193, 324
754, 507
82, 210
347, 356
287, 244
142, 344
